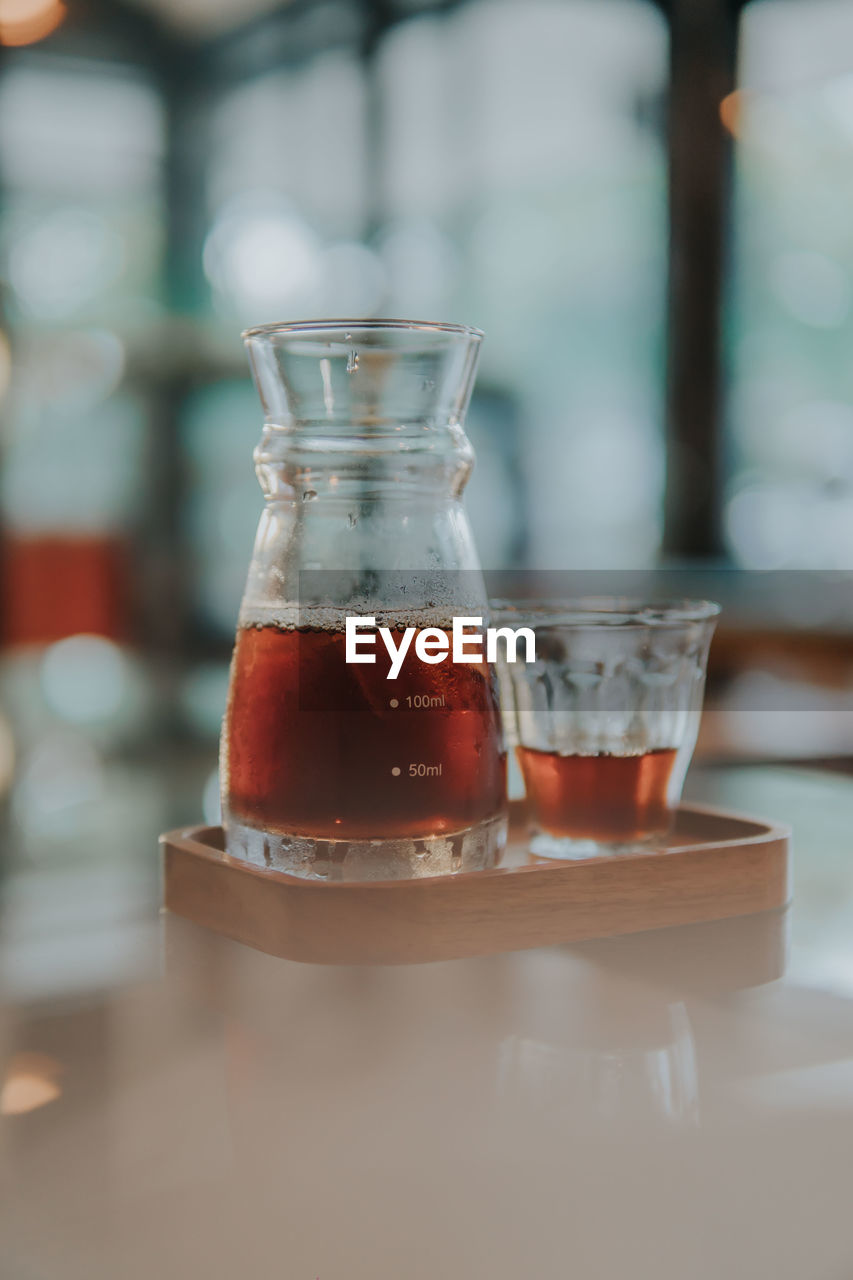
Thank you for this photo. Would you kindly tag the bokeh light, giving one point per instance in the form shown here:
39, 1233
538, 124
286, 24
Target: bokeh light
761, 526
31, 1081
813, 287
263, 258
64, 261
59, 785
731, 109
25, 22
84, 679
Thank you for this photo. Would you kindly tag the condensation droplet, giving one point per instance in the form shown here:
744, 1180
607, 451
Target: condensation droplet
308, 495
352, 520
427, 384
352, 362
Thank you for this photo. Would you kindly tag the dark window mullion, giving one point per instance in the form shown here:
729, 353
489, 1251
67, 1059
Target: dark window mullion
703, 37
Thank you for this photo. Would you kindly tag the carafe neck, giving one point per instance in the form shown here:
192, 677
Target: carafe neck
301, 463
363, 405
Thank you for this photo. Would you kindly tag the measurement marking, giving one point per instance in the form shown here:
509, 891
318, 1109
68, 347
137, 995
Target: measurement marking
424, 770
395, 772
425, 700
393, 703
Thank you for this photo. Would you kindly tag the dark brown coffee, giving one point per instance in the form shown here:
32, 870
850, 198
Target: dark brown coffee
609, 798
317, 747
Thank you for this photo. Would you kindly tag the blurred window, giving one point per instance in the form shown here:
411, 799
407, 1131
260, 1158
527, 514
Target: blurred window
789, 498
287, 196
81, 221
81, 148
525, 192
498, 164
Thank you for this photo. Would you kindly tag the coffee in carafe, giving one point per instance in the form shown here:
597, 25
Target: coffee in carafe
321, 747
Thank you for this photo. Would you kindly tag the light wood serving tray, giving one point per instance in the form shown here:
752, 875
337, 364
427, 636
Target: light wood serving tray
716, 865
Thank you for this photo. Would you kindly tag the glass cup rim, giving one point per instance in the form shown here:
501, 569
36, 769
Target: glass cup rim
314, 328
591, 612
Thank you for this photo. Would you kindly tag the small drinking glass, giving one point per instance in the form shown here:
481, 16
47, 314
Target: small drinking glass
604, 721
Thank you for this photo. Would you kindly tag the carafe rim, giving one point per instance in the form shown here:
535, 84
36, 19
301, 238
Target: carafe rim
299, 327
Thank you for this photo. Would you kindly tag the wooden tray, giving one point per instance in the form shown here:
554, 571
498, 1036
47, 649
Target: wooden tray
716, 865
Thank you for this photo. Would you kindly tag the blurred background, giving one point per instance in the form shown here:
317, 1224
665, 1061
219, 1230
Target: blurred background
646, 208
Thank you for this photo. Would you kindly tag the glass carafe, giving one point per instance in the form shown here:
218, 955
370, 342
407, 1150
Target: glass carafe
329, 768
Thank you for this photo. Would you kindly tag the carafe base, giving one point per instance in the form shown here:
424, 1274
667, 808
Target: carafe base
473, 849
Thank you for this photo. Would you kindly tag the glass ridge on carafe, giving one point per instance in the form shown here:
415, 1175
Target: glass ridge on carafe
329, 769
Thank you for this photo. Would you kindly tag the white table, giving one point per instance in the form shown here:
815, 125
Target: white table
676, 1106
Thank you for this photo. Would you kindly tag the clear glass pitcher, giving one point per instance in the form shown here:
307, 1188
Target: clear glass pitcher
329, 768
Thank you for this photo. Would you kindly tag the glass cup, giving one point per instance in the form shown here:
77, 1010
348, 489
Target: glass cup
605, 720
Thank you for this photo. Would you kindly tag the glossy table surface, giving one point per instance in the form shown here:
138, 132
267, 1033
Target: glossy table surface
674, 1104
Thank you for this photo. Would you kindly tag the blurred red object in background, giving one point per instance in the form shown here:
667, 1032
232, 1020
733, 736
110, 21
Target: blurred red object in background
57, 585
